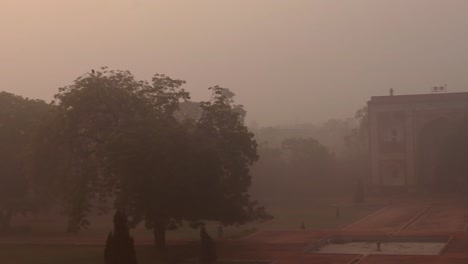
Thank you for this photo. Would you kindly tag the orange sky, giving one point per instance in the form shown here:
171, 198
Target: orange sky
288, 61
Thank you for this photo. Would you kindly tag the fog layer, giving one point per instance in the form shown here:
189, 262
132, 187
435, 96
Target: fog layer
287, 61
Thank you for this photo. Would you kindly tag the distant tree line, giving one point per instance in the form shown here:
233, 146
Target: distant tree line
304, 161
345, 145
297, 169
19, 121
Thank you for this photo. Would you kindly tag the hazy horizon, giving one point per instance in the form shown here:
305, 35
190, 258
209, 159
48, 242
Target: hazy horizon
288, 61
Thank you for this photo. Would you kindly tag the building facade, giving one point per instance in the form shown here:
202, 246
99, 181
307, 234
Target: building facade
404, 133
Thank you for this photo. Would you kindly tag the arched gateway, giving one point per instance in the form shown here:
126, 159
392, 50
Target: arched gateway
404, 133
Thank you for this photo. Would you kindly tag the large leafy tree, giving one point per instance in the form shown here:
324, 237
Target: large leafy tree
119, 138
194, 171
19, 120
150, 160
270, 174
230, 149
193, 110
310, 165
71, 150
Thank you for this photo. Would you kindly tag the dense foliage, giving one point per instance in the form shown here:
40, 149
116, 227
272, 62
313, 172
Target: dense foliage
19, 121
116, 138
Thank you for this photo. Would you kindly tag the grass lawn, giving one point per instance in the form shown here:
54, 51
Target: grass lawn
316, 214
288, 216
50, 254
64, 254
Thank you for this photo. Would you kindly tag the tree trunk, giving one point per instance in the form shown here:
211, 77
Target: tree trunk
159, 233
5, 220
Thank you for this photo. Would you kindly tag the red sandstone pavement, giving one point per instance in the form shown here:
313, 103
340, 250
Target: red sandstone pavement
394, 259
287, 246
282, 246
287, 236
320, 259
270, 244
457, 246
387, 220
442, 219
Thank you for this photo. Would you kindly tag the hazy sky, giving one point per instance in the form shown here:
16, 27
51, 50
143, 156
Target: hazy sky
288, 61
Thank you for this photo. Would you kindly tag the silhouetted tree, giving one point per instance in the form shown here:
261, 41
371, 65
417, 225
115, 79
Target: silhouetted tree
227, 150
193, 110
115, 137
71, 153
120, 248
204, 164
19, 120
270, 173
310, 165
